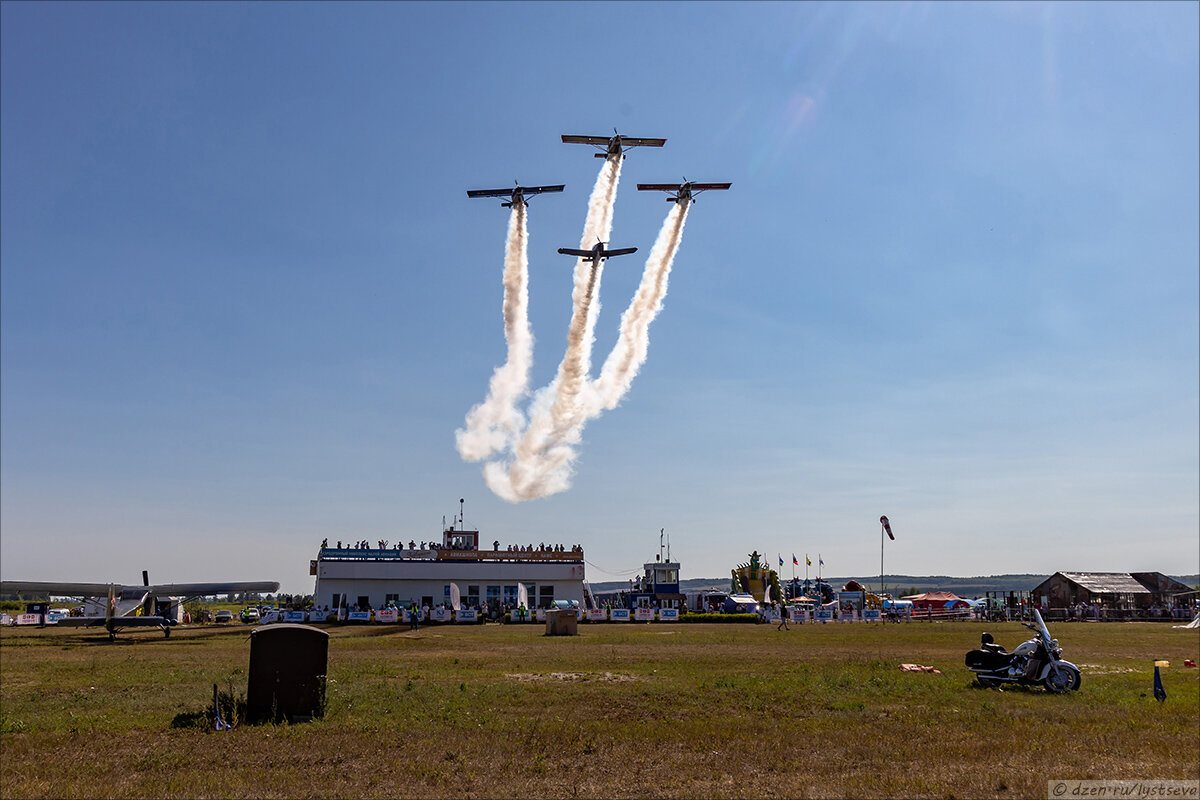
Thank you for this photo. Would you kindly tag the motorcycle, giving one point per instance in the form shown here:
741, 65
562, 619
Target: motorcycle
1034, 662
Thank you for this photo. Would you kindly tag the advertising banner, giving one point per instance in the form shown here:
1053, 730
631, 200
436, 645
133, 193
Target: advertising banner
668, 615
596, 615
825, 615
440, 615
387, 615
29, 619
358, 616
467, 615
643, 614
618, 615
871, 614
298, 616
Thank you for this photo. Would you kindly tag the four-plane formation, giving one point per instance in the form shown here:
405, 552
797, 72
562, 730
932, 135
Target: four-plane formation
527, 440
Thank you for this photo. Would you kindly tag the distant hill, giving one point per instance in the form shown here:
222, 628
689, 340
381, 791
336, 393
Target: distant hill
963, 587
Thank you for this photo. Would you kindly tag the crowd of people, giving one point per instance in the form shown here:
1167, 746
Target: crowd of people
385, 544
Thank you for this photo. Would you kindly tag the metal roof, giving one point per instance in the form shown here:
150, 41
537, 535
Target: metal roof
1106, 582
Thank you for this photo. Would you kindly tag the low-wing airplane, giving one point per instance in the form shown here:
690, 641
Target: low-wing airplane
614, 145
684, 192
139, 614
597, 253
516, 195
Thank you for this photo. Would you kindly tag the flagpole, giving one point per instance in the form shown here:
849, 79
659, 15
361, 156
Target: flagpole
880, 562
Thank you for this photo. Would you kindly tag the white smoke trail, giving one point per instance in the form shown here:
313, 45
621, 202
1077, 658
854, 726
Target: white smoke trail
543, 457
495, 423
629, 353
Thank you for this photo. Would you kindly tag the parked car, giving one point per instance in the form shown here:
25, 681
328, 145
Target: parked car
223, 615
250, 615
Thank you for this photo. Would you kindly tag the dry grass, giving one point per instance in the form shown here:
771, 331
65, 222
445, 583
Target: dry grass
619, 711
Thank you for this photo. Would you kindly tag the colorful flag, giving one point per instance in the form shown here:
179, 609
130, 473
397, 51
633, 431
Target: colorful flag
820, 561
794, 561
1160, 693
887, 527
807, 561
780, 560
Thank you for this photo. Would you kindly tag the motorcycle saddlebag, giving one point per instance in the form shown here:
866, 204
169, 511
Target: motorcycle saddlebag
984, 659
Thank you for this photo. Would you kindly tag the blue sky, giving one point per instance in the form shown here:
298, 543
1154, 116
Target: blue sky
246, 301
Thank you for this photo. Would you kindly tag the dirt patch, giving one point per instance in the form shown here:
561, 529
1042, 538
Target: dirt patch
570, 676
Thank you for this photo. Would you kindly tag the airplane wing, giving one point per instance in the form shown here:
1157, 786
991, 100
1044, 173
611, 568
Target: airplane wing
60, 589
543, 189
623, 251
56, 589
600, 140
675, 187
219, 587
490, 192
627, 141
567, 251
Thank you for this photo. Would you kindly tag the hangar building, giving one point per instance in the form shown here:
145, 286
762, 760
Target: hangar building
1121, 590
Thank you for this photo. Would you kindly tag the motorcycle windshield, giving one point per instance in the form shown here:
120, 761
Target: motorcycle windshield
1041, 625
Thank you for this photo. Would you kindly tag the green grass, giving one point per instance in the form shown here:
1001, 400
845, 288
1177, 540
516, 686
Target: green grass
622, 710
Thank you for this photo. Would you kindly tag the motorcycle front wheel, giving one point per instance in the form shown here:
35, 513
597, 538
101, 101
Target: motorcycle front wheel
1062, 678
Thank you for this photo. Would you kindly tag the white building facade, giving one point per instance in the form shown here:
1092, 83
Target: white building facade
377, 578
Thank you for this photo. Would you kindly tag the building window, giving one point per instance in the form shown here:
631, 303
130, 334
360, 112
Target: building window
364, 602
545, 596
472, 596
391, 600
510, 595
337, 600
493, 596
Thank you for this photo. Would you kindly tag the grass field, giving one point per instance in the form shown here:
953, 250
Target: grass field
697, 710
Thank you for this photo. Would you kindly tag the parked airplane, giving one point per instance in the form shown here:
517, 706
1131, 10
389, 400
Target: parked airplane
684, 192
614, 145
143, 613
516, 195
597, 253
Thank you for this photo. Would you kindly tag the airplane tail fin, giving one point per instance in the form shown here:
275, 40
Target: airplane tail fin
110, 610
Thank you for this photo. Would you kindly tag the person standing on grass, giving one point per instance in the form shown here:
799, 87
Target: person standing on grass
414, 617
783, 619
